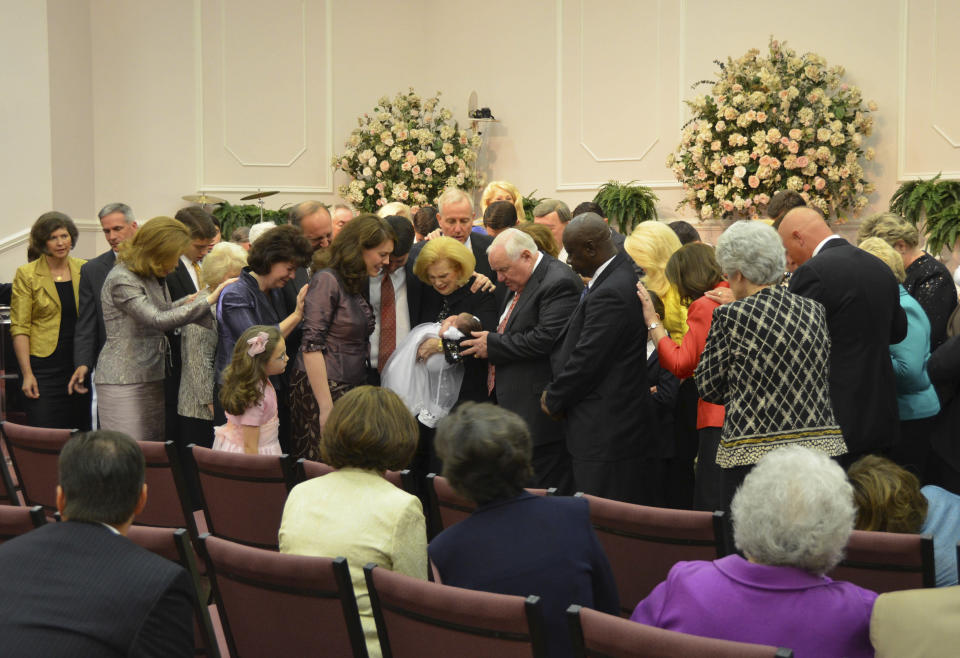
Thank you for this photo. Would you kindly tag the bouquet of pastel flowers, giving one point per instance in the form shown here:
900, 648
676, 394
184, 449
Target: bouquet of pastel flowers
774, 123
406, 150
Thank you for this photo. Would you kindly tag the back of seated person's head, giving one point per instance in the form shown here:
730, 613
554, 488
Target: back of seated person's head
783, 202
588, 206
685, 231
795, 509
500, 215
101, 477
887, 496
425, 220
369, 428
486, 452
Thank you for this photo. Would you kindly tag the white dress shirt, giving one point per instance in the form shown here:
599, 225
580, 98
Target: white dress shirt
399, 279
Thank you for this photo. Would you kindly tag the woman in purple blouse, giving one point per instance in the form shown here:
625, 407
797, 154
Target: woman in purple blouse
337, 323
792, 517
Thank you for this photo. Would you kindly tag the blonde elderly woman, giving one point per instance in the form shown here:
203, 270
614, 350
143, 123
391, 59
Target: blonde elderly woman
198, 345
791, 520
650, 245
447, 266
925, 278
501, 190
395, 208
766, 359
259, 229
917, 401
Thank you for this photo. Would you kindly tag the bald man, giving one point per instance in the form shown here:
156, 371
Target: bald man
862, 300
599, 361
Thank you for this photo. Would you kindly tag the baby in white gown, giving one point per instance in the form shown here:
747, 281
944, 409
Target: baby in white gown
429, 388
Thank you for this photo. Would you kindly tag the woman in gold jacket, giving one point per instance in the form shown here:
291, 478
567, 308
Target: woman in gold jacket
43, 315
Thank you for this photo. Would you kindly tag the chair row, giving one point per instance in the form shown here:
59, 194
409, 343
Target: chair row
631, 534
273, 603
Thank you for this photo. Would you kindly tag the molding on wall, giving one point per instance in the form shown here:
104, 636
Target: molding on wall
303, 89
934, 70
21, 237
580, 186
327, 187
902, 174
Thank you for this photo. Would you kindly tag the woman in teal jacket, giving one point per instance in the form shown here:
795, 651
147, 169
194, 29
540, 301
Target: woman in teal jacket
917, 400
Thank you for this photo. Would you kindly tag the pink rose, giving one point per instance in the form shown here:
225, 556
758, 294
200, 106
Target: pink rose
819, 183
765, 160
416, 170
428, 171
728, 206
806, 187
803, 161
728, 161
793, 147
384, 165
784, 140
761, 116
796, 133
753, 181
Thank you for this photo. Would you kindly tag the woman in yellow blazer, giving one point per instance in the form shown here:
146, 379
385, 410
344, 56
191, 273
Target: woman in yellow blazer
43, 314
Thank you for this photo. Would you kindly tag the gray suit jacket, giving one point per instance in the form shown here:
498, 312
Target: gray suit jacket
521, 354
136, 312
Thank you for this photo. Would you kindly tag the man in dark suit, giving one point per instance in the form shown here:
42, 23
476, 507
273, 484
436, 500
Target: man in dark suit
599, 372
389, 294
455, 216
80, 588
864, 318
545, 292
119, 225
615, 235
314, 221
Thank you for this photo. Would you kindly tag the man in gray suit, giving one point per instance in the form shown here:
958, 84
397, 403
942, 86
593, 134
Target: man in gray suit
545, 292
119, 225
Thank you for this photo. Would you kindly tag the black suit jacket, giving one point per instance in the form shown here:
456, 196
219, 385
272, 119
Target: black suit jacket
90, 334
521, 353
599, 365
179, 282
77, 589
864, 317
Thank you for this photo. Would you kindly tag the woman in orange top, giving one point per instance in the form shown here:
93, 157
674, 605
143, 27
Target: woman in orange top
694, 270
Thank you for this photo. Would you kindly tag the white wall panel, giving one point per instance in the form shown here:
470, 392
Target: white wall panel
265, 95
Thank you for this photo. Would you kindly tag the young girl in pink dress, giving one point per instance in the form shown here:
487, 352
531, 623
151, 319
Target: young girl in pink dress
248, 397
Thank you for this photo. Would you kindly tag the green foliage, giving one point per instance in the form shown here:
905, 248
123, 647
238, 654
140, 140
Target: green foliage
248, 214
933, 206
626, 204
529, 203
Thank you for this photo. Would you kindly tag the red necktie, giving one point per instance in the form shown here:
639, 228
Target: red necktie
388, 321
491, 374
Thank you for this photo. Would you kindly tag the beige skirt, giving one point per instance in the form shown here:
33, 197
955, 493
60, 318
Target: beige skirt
134, 409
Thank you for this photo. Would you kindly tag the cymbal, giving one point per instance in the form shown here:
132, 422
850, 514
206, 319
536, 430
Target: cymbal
258, 195
203, 199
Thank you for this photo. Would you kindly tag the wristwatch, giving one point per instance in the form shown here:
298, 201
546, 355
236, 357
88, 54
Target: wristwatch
653, 326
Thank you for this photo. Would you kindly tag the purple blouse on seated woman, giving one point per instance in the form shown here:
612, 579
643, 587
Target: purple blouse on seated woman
792, 518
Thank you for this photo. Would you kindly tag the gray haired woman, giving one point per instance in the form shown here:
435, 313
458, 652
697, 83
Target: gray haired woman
766, 359
792, 519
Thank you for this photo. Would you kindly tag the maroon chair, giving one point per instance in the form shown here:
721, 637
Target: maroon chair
15, 521
34, 452
174, 544
8, 488
887, 561
243, 495
307, 469
643, 543
168, 503
597, 634
419, 618
275, 604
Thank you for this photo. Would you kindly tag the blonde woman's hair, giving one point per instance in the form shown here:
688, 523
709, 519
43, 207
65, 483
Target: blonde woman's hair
395, 208
887, 497
882, 250
491, 189
154, 246
444, 248
650, 246
891, 228
224, 259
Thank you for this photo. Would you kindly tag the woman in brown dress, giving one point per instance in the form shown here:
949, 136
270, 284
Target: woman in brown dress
337, 323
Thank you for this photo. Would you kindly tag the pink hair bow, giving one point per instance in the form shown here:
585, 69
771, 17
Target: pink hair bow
257, 343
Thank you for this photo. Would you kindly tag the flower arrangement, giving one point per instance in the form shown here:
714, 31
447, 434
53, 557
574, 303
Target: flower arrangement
774, 123
406, 150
